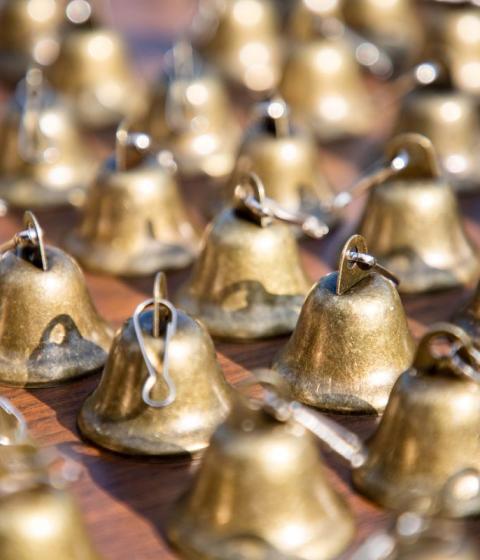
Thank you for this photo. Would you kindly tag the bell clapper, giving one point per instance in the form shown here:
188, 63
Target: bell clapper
31, 237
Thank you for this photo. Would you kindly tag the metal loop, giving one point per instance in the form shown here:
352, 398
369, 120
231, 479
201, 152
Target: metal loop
153, 375
31, 237
369, 262
22, 430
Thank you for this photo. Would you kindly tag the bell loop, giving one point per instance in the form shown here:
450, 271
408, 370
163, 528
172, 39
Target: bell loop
130, 147
29, 238
370, 263
277, 110
153, 375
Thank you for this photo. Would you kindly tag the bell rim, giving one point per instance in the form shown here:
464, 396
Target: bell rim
40, 196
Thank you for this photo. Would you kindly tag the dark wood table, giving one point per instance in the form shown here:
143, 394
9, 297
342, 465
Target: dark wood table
126, 500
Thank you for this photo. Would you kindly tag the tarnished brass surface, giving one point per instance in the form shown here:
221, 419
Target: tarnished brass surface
351, 341
429, 431
413, 224
323, 85
261, 492
51, 331
117, 416
134, 221
248, 281
242, 38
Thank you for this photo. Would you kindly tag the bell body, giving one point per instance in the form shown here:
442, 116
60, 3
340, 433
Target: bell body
323, 85
115, 415
414, 227
245, 44
134, 223
92, 69
449, 118
348, 350
42, 523
57, 179
195, 120
248, 281
261, 492
51, 331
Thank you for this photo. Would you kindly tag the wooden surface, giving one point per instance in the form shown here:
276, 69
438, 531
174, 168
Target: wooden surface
126, 500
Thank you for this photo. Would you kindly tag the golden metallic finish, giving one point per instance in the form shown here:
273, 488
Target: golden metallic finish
286, 160
51, 331
248, 282
261, 492
324, 87
242, 39
134, 221
126, 412
44, 162
303, 22
351, 341
413, 225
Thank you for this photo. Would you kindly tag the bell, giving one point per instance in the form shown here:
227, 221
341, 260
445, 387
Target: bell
50, 331
38, 519
134, 221
302, 23
191, 112
28, 34
413, 225
44, 161
242, 39
162, 391
286, 161
352, 339
324, 87
261, 492
248, 282
93, 70
449, 118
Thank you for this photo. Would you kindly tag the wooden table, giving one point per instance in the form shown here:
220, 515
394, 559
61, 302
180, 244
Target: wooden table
126, 500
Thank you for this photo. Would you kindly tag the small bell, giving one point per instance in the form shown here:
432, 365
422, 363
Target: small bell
323, 85
242, 39
162, 391
28, 35
38, 519
44, 162
248, 282
413, 225
352, 339
50, 332
191, 112
93, 70
261, 492
286, 161
134, 221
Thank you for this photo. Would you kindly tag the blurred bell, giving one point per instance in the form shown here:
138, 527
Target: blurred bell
248, 282
323, 85
51, 331
93, 70
413, 225
191, 111
352, 339
28, 34
286, 161
261, 492
134, 221
162, 391
242, 39
44, 161
305, 14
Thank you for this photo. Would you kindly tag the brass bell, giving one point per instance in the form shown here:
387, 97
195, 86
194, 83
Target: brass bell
134, 221
242, 39
39, 520
261, 492
323, 85
286, 161
413, 225
51, 331
162, 391
28, 34
93, 70
352, 339
248, 282
44, 161
191, 112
